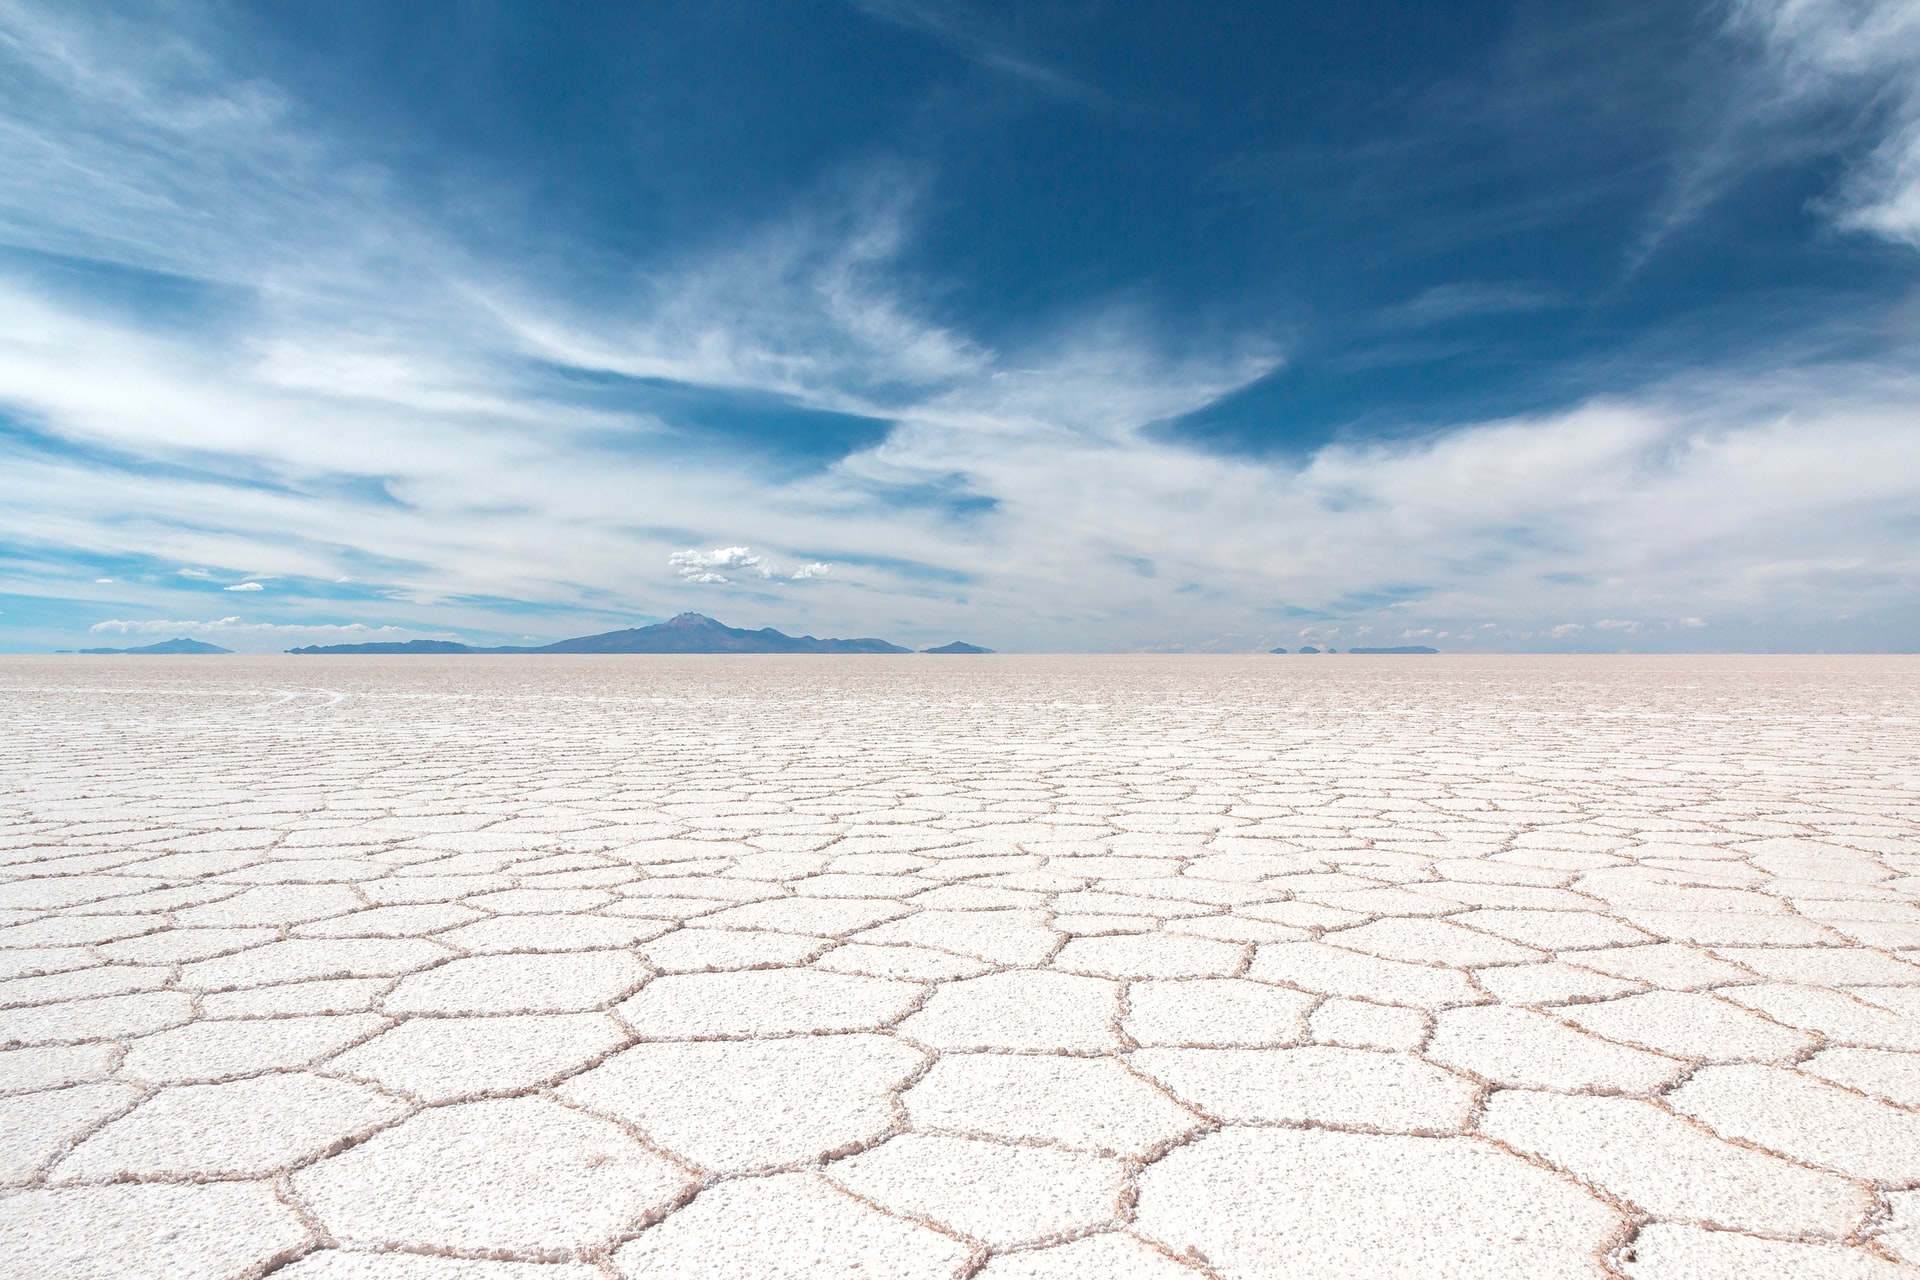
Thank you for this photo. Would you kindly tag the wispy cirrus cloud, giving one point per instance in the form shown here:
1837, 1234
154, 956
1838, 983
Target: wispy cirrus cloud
1835, 82
1862, 56
964, 31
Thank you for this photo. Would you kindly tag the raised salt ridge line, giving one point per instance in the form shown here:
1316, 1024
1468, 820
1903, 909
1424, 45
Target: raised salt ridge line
1044, 967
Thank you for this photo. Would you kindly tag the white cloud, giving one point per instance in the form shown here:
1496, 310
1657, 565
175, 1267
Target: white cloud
1866, 53
713, 566
695, 565
244, 586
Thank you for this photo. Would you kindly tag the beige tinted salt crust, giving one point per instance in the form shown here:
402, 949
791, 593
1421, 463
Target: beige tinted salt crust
1084, 1104
1524, 1049
108, 1018
515, 1174
213, 1051
765, 1002
1876, 1072
530, 969
993, 1192
1109, 1254
1215, 1012
46, 1067
243, 1129
1672, 1169
1362, 1025
519, 984
1151, 955
210, 1231
1552, 983
1805, 1119
1020, 1010
1312, 966
1666, 1251
442, 1059
1687, 1025
694, 950
809, 1096
1317, 1084
1900, 1233
791, 1227
40, 1126
338, 1264
1280, 1202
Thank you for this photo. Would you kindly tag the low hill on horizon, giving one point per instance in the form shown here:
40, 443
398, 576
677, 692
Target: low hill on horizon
179, 644
394, 646
686, 633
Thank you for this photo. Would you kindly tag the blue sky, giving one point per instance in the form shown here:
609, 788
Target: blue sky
1049, 326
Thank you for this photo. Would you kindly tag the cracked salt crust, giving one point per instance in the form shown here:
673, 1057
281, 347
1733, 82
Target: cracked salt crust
477, 969
810, 1096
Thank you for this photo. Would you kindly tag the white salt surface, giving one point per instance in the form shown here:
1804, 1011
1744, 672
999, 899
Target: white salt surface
546, 969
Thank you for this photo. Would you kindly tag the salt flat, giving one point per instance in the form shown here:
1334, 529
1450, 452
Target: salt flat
542, 969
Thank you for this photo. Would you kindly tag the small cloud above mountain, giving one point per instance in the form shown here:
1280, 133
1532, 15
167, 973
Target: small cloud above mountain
713, 566
695, 565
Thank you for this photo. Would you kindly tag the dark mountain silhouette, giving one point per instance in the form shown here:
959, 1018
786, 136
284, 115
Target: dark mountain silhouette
688, 633
392, 646
179, 644
1276, 651
1404, 648
958, 646
697, 633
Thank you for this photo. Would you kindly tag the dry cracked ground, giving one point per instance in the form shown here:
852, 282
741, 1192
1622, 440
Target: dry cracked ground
531, 969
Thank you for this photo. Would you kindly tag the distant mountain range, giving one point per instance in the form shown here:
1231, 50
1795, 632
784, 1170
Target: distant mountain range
688, 633
179, 644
